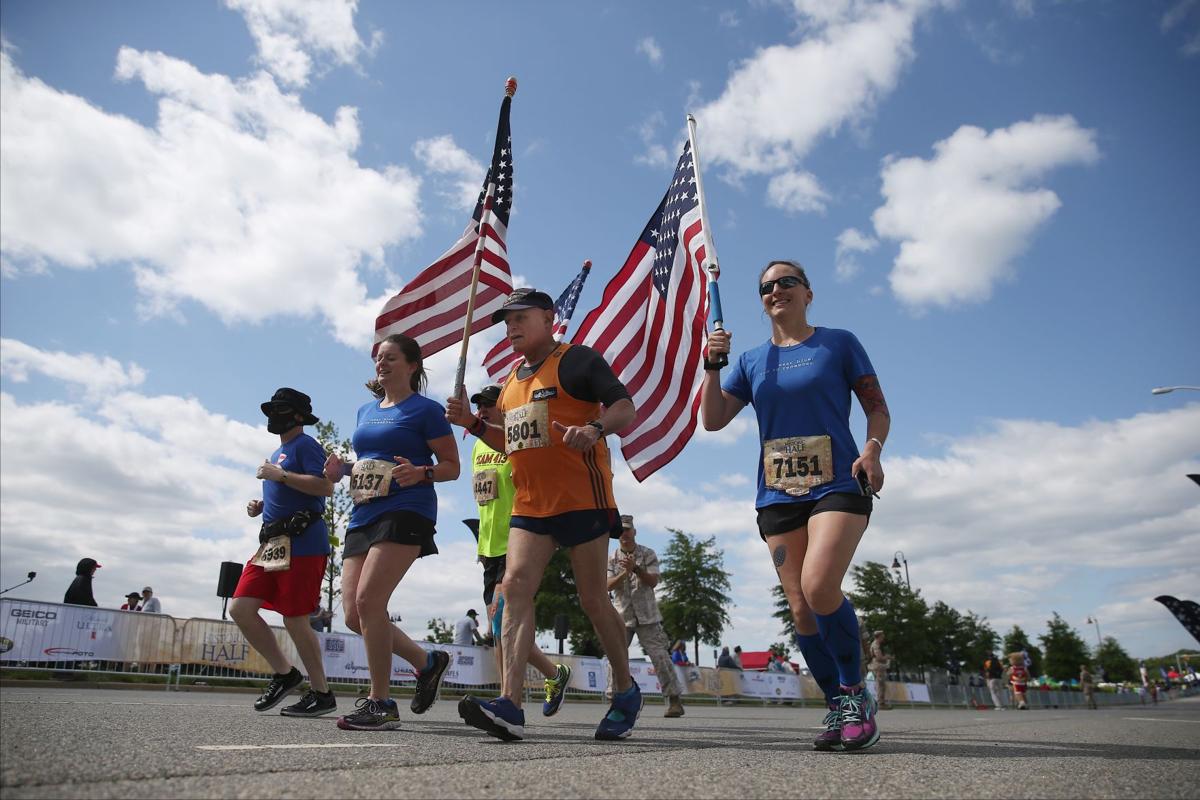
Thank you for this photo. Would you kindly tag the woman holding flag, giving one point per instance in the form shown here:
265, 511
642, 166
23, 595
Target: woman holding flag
814, 486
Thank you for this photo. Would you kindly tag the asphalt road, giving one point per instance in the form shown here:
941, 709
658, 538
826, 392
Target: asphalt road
152, 744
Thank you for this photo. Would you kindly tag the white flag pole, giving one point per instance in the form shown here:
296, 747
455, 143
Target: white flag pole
711, 265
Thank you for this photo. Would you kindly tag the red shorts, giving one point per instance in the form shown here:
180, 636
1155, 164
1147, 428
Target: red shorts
293, 592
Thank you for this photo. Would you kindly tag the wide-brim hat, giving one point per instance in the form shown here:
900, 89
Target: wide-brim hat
521, 299
488, 394
137, 595
290, 398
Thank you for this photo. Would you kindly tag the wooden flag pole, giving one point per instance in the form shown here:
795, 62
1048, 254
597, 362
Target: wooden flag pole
510, 89
712, 266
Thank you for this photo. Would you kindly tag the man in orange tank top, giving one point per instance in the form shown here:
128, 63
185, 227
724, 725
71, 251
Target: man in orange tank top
558, 404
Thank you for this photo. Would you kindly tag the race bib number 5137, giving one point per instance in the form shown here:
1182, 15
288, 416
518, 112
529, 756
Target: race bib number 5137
370, 478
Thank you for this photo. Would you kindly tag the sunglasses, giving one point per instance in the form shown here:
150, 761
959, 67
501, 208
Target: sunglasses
786, 282
280, 407
482, 404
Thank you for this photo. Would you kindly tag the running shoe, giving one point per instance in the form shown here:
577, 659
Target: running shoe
556, 690
500, 717
278, 688
371, 715
313, 704
429, 680
831, 737
622, 715
857, 709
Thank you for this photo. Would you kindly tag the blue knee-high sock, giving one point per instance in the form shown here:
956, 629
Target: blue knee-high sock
820, 663
839, 631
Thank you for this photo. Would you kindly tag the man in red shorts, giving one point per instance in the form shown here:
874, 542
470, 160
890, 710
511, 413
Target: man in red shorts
285, 573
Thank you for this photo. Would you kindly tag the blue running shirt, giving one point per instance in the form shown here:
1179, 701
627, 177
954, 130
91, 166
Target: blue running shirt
803, 390
402, 430
303, 455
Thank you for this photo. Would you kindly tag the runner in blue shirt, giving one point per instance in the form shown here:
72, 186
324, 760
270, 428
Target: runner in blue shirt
812, 508
403, 445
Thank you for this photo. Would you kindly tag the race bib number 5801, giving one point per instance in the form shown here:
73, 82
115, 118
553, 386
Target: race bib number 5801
797, 463
527, 426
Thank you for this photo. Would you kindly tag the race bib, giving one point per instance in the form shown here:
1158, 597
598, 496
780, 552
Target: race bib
527, 427
797, 463
486, 488
370, 478
275, 554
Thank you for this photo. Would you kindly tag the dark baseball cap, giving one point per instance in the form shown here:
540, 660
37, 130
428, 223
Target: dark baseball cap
488, 394
521, 299
474, 613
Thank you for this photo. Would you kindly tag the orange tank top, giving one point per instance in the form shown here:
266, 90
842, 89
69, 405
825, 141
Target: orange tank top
551, 478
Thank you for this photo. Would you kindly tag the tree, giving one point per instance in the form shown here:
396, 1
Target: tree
946, 639
1017, 640
695, 590
1065, 650
783, 613
895, 609
1116, 663
440, 631
337, 512
982, 640
557, 595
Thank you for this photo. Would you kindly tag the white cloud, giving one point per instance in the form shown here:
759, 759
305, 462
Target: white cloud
728, 19
1175, 16
796, 191
655, 155
280, 199
850, 242
965, 215
651, 50
780, 101
289, 33
98, 376
442, 156
1023, 8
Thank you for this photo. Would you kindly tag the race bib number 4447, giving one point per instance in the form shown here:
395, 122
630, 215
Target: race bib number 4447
485, 486
370, 478
797, 463
526, 427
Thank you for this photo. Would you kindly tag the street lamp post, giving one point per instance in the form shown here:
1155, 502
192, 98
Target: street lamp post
897, 559
1096, 622
1169, 389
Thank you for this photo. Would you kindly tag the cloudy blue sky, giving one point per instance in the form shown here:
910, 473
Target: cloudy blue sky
203, 201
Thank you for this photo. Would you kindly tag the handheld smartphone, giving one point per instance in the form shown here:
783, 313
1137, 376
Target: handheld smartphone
864, 485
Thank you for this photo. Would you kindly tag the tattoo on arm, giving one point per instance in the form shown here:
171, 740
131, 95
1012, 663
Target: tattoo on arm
779, 555
870, 395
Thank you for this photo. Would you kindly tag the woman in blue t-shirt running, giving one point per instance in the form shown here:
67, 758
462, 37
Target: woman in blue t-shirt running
814, 487
397, 439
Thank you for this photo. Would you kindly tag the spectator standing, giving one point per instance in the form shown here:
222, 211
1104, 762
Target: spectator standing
725, 660
150, 603
880, 661
737, 656
132, 601
80, 591
1088, 687
994, 672
679, 654
632, 576
466, 630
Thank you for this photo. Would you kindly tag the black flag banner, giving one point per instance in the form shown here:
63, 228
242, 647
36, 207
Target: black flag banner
1186, 611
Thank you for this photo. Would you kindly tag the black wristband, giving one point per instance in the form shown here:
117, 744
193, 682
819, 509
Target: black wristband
710, 366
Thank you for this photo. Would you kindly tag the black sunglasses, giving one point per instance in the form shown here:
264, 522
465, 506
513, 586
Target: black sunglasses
281, 407
786, 282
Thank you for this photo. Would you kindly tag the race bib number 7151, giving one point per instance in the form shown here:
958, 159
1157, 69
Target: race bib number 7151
797, 463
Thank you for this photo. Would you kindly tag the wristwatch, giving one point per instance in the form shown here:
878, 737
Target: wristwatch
429, 474
596, 424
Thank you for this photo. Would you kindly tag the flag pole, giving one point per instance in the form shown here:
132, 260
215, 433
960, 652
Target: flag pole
485, 218
712, 266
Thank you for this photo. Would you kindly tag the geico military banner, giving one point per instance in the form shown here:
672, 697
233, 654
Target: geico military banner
33, 632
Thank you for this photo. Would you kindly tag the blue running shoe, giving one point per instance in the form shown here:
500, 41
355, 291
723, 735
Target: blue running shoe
556, 690
857, 710
499, 717
622, 715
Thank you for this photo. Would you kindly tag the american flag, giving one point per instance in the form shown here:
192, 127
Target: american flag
650, 326
500, 359
432, 308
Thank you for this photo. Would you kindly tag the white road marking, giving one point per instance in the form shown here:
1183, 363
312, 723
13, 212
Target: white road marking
291, 746
1160, 719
